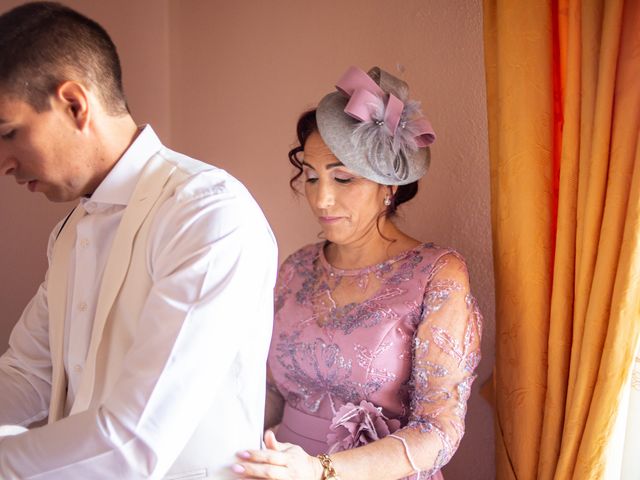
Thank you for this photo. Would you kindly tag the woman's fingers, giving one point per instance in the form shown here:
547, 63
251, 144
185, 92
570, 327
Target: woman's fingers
281, 461
271, 442
261, 470
272, 457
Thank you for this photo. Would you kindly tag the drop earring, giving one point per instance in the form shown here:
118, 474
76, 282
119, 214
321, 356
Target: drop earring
387, 201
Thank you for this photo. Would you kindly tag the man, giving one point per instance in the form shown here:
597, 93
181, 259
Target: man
146, 343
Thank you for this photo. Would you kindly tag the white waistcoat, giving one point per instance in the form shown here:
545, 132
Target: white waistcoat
124, 289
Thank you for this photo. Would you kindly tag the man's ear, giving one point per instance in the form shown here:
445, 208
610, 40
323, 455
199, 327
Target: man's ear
74, 99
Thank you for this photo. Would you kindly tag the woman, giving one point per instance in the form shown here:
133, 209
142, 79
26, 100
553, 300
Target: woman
376, 335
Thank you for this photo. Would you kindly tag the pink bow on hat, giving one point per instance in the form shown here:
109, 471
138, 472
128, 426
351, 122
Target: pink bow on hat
365, 93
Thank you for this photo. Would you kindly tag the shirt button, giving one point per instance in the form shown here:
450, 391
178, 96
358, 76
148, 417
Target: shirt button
84, 243
82, 306
77, 368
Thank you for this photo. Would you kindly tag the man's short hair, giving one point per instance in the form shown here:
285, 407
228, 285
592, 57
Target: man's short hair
43, 44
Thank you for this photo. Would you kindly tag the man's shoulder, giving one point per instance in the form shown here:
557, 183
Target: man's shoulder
200, 190
185, 164
196, 179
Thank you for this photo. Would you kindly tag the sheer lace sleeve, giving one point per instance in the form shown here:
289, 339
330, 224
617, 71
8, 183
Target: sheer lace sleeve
282, 290
446, 351
274, 399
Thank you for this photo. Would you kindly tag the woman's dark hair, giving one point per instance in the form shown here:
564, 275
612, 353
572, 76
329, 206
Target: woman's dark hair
304, 128
307, 125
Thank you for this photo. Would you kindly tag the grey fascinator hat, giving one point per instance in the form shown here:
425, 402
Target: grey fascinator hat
373, 128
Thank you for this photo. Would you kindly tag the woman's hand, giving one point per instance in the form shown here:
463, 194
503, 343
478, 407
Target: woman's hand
281, 461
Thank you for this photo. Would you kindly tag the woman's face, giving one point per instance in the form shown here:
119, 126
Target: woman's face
346, 205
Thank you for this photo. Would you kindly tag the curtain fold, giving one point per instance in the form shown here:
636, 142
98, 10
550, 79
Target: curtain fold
520, 118
563, 83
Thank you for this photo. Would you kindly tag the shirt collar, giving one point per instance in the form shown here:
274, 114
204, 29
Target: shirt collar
119, 184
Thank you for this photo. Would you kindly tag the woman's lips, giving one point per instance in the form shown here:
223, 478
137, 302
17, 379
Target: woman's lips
329, 219
32, 185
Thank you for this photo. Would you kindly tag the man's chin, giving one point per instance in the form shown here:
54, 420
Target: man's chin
59, 197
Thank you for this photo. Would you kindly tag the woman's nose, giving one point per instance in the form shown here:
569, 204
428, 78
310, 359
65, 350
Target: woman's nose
326, 196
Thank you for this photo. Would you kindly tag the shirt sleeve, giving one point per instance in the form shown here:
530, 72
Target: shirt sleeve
211, 254
25, 368
446, 352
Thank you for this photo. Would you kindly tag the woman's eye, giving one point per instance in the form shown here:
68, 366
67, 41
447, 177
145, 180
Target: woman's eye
343, 179
311, 177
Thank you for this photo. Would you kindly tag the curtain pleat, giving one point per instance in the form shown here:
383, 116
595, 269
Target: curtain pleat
564, 115
520, 99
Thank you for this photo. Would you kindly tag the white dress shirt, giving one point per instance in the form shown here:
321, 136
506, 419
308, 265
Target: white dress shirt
186, 339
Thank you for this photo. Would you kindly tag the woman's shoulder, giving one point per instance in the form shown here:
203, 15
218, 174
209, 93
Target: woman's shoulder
438, 261
304, 257
308, 252
298, 265
432, 252
444, 265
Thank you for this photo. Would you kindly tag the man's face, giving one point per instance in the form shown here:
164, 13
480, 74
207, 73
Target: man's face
44, 150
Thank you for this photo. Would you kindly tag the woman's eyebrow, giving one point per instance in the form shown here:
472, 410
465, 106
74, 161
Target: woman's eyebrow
333, 165
328, 166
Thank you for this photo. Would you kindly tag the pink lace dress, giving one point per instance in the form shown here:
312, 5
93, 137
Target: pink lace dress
390, 349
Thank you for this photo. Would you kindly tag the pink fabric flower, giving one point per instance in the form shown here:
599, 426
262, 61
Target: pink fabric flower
356, 425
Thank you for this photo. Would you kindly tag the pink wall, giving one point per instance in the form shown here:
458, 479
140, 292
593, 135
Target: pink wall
225, 81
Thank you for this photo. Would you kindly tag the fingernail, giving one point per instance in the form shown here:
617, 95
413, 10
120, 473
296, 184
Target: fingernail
244, 454
237, 468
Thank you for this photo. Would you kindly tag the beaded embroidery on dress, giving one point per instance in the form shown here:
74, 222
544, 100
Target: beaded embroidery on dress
396, 341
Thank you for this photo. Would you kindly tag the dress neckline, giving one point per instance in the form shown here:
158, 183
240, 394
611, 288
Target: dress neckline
357, 272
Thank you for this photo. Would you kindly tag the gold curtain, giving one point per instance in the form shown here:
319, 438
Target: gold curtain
563, 85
